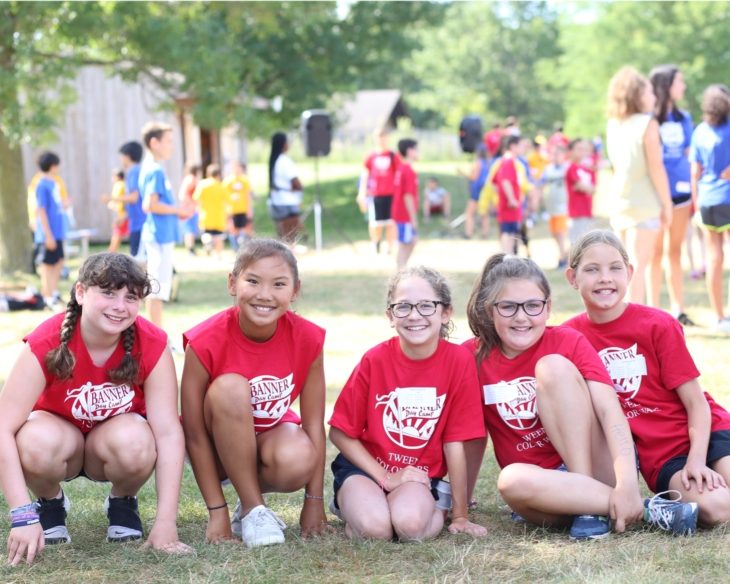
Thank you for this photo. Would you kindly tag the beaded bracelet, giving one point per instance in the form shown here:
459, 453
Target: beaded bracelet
225, 504
308, 496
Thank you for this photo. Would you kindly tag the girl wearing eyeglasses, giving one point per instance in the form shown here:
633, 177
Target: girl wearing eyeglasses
558, 431
402, 419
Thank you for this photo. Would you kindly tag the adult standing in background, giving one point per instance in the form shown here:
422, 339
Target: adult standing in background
375, 194
709, 156
285, 198
675, 131
640, 189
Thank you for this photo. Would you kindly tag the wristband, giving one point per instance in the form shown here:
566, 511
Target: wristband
224, 504
315, 497
25, 520
28, 508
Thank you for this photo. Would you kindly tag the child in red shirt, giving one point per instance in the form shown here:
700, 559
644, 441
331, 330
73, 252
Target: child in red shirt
545, 395
580, 182
244, 367
93, 393
402, 419
405, 202
682, 434
509, 207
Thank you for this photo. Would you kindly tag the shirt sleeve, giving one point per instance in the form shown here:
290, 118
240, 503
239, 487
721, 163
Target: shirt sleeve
588, 362
676, 365
350, 411
462, 424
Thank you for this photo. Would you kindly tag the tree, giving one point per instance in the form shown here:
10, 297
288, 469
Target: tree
692, 35
492, 59
221, 56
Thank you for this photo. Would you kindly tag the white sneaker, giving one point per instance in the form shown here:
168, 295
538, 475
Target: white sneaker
262, 527
236, 520
723, 326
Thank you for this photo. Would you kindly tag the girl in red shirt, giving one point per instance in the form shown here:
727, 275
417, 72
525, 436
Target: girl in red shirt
244, 367
92, 393
402, 419
549, 407
682, 434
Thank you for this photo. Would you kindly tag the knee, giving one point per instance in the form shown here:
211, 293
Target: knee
411, 526
516, 484
39, 453
227, 393
715, 513
553, 367
293, 463
135, 455
373, 526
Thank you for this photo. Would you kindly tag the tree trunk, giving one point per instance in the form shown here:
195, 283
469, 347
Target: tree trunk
15, 242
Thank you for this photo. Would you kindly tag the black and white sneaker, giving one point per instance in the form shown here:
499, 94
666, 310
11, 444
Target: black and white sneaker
52, 514
125, 523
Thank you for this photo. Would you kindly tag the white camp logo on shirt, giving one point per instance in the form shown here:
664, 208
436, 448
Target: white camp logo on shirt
270, 398
625, 367
95, 403
515, 401
410, 415
672, 134
382, 162
584, 176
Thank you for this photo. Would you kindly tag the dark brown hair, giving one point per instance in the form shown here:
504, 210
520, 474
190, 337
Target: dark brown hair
109, 271
257, 249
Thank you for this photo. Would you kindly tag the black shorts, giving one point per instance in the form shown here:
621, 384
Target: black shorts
716, 217
213, 232
240, 220
381, 209
46, 256
718, 448
342, 469
681, 200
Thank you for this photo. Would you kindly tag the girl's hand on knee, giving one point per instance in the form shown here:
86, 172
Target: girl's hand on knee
312, 519
700, 474
405, 475
25, 542
463, 525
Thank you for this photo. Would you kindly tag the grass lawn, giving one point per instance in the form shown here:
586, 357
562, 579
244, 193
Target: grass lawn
343, 290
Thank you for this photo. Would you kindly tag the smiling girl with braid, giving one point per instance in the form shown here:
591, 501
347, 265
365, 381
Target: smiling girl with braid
93, 393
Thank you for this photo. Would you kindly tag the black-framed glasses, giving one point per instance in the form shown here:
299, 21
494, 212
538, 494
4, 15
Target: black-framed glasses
533, 307
424, 308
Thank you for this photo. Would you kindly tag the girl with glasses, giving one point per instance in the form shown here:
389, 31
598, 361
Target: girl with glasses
559, 434
401, 420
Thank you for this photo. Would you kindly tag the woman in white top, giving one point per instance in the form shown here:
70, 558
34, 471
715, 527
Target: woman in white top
285, 198
640, 189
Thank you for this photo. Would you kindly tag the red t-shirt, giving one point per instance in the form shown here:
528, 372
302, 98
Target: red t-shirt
507, 171
406, 181
492, 140
580, 204
89, 397
404, 411
646, 355
382, 167
508, 388
276, 369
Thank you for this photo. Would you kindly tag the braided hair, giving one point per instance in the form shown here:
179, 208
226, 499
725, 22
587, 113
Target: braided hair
109, 271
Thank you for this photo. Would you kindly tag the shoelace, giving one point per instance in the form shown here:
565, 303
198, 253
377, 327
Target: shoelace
661, 510
266, 516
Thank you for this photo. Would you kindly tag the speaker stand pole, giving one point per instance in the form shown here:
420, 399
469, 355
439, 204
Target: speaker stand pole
317, 208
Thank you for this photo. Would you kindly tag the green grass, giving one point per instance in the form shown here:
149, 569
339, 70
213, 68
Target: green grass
343, 290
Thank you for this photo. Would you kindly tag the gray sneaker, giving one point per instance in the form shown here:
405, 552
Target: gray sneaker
334, 510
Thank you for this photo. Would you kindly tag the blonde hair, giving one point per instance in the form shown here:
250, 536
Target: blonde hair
596, 237
625, 93
498, 269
